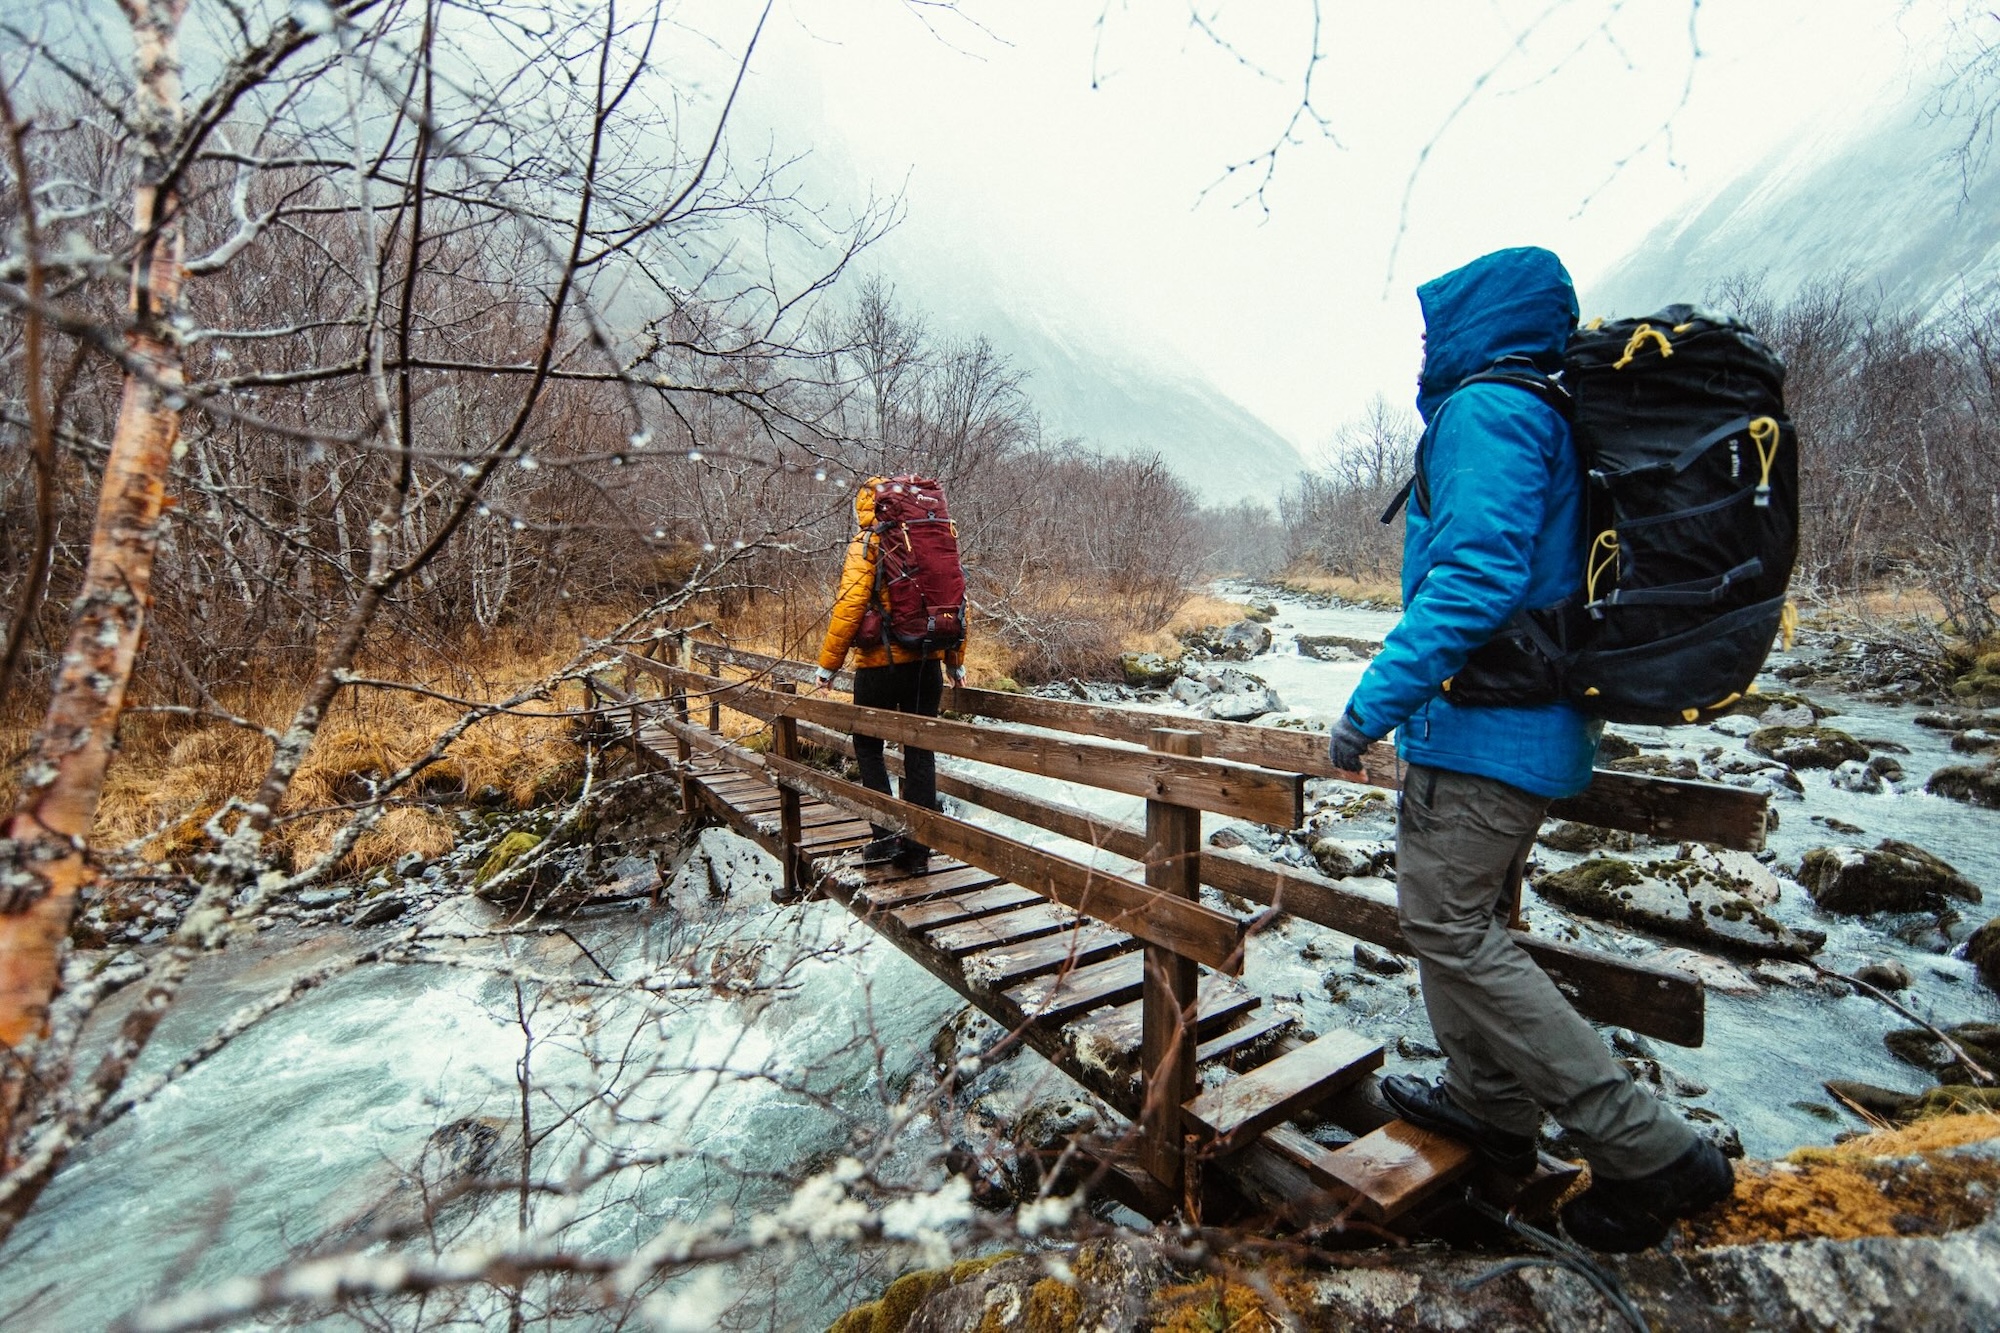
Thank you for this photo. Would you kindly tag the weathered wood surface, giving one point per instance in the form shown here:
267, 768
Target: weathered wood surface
1661, 1002
1388, 1171
1240, 1109
1172, 858
1190, 929
1636, 802
1243, 791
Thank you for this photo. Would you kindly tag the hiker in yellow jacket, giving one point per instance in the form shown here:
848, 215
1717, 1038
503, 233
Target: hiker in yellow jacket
891, 672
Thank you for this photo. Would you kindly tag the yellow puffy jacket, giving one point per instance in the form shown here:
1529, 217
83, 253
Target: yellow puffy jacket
857, 585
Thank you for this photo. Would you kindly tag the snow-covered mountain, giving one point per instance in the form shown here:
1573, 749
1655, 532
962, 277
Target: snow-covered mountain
1882, 197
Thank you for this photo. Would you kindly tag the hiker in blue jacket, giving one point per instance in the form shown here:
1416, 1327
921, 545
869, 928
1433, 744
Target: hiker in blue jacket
1493, 529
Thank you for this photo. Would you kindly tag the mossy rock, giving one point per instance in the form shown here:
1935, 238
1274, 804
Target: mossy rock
1955, 1099
1564, 836
1758, 704
1658, 766
1807, 747
1975, 784
1611, 747
892, 1313
1983, 952
1683, 899
504, 854
1892, 876
1147, 671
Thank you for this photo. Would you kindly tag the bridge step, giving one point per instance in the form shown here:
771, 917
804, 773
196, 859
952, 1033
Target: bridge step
1110, 1038
1238, 1110
1052, 999
998, 969
1387, 1172
1242, 1037
886, 887
936, 912
1026, 923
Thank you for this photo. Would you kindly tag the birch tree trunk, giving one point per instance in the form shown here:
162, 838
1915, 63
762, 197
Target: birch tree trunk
43, 861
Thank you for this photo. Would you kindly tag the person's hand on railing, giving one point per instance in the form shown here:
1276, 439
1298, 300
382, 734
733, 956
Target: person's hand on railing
821, 679
1346, 743
957, 675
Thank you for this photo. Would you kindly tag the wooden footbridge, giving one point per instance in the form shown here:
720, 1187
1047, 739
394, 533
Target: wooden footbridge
1130, 985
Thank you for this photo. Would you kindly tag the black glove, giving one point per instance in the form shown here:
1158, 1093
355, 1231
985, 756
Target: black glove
1346, 743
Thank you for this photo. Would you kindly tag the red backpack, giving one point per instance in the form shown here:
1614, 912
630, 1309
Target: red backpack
919, 598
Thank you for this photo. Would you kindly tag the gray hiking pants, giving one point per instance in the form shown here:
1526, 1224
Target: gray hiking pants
1515, 1046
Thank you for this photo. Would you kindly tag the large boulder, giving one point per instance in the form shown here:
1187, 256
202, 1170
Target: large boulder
1227, 694
1685, 898
1243, 640
1807, 747
1974, 784
1892, 876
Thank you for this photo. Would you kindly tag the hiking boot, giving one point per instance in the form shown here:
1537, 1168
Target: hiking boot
881, 851
1429, 1107
913, 857
1621, 1216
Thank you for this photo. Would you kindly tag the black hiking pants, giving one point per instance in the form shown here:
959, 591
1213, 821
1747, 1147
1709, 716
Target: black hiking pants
909, 687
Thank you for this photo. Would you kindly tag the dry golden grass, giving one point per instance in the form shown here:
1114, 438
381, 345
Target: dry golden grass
1383, 592
171, 774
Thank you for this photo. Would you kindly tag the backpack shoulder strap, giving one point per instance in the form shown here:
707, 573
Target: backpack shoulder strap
1517, 372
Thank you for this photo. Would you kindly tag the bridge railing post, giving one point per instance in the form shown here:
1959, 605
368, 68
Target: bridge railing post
1167, 1023
785, 744
678, 701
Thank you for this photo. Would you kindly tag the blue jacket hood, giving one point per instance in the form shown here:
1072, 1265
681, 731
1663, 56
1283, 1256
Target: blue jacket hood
1509, 303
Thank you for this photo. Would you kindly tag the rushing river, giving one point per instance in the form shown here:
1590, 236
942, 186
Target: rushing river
297, 1133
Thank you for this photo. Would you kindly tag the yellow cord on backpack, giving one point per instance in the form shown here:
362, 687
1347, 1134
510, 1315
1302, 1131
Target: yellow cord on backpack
1764, 435
1788, 626
1607, 543
1638, 342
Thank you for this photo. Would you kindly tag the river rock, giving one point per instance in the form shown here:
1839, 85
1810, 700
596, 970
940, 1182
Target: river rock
1336, 648
1892, 876
1951, 721
1884, 974
1242, 641
962, 1041
1681, 898
1886, 767
1338, 858
1564, 836
1611, 747
381, 910
1262, 611
1977, 741
1228, 695
1921, 1048
1779, 705
1742, 870
1147, 671
1975, 785
1658, 766
1379, 961
1807, 746
1983, 952
1859, 778
1736, 724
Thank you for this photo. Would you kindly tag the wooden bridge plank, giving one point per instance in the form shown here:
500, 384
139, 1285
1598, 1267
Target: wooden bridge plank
1241, 1036
999, 968
1113, 1035
1388, 1171
1053, 999
1190, 929
1241, 1108
953, 908
1244, 791
1025, 923
897, 889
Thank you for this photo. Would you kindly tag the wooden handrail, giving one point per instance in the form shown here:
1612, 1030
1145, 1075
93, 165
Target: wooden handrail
1659, 807
1188, 928
1654, 1001
1242, 791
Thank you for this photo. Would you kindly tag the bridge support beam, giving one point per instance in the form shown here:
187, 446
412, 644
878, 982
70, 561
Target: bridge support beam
1167, 1053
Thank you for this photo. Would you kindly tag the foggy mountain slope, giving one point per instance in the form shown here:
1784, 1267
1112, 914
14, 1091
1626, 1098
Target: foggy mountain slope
1880, 198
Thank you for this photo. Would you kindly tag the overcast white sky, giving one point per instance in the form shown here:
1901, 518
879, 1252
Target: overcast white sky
1071, 155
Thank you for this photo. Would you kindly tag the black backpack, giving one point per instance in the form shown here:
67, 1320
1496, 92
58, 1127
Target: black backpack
1691, 504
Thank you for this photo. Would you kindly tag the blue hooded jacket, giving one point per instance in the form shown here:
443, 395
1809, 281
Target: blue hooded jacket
1500, 534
